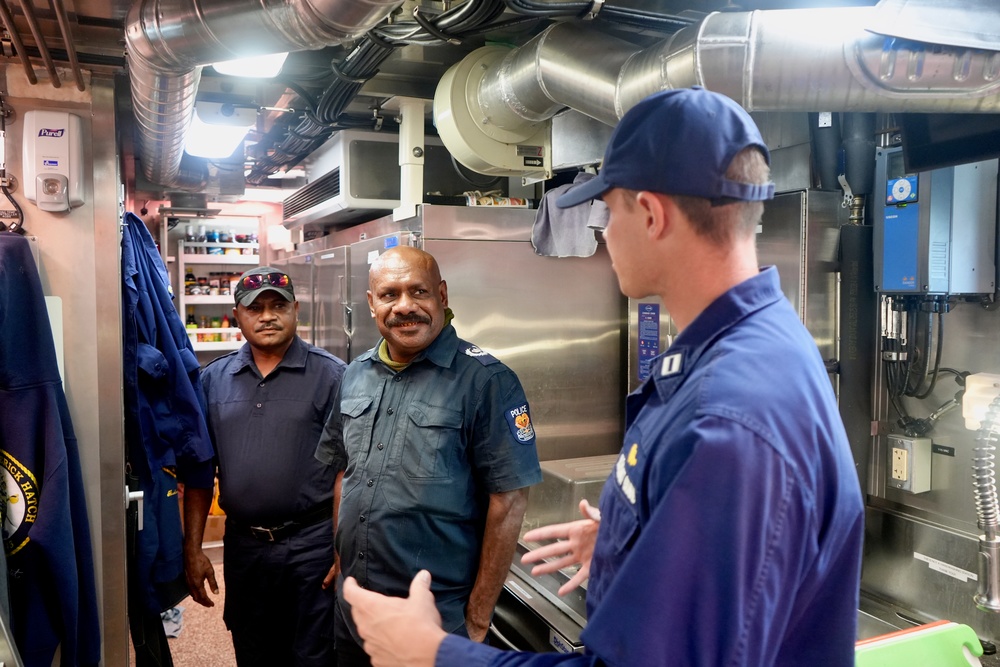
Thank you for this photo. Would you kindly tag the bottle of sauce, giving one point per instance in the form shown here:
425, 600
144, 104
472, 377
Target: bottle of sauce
191, 324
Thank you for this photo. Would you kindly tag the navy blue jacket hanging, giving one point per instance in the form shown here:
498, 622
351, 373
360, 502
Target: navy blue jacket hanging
47, 533
165, 428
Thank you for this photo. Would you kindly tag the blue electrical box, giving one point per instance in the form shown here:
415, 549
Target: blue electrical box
935, 231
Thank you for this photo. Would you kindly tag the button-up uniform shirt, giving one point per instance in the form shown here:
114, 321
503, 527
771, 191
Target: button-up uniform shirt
732, 522
426, 446
266, 432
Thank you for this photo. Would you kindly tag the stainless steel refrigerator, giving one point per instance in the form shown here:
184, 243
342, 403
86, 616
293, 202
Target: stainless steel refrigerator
559, 323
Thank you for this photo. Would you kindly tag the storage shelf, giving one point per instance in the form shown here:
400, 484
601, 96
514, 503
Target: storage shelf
220, 244
188, 258
223, 346
209, 299
202, 305
215, 304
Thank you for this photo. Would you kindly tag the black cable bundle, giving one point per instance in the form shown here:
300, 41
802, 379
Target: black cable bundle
908, 369
451, 26
325, 115
320, 118
578, 9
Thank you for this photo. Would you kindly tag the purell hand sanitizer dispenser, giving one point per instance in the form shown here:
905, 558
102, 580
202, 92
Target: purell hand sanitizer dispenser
53, 160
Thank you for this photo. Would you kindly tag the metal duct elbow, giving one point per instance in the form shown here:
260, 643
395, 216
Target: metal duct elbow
773, 60
168, 42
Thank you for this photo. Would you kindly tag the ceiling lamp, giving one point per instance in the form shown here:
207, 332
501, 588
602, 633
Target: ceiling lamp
258, 67
217, 129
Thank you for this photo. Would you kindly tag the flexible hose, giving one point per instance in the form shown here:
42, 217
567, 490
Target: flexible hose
987, 595
984, 471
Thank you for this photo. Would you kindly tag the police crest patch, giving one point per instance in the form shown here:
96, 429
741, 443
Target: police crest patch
519, 422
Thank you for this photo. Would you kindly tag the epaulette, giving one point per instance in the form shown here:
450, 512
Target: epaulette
477, 353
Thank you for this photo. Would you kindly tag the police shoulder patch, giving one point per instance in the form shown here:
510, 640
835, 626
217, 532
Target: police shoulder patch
477, 353
519, 422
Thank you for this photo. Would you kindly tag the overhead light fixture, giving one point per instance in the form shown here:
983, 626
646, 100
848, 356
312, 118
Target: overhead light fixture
217, 129
258, 67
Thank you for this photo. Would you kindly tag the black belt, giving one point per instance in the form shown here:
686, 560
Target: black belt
309, 517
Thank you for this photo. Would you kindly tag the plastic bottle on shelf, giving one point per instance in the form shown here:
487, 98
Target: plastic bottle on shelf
203, 337
217, 324
231, 234
190, 282
200, 238
212, 236
226, 334
191, 325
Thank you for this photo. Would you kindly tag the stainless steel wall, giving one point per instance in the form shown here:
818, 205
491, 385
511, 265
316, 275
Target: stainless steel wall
921, 550
557, 322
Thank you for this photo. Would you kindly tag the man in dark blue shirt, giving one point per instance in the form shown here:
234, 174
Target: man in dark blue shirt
279, 468
730, 528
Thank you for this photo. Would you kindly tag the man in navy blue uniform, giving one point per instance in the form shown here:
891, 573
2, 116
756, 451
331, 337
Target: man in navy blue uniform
730, 528
280, 464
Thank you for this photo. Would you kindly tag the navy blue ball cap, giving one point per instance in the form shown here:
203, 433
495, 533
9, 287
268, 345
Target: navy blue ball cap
678, 142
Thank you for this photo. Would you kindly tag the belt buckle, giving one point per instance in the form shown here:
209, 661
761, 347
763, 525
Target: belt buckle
262, 533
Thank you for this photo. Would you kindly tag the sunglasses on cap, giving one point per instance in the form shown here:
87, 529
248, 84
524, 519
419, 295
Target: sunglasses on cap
256, 280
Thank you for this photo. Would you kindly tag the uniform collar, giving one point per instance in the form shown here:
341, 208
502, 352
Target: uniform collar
441, 352
722, 314
295, 356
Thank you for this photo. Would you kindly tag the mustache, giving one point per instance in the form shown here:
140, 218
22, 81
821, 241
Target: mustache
415, 318
270, 327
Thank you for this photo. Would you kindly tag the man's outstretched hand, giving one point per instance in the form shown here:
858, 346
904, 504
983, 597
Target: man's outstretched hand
574, 545
397, 632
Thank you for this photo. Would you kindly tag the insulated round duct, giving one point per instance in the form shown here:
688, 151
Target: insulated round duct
473, 137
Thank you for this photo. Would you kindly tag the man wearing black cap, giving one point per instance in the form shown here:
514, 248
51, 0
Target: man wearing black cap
730, 528
279, 474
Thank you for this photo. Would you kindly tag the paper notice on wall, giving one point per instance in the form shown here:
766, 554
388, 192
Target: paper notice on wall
946, 568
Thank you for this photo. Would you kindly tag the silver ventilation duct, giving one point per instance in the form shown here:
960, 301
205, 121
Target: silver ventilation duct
168, 42
787, 60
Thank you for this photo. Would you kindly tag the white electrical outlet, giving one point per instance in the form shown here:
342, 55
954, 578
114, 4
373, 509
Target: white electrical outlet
910, 463
899, 464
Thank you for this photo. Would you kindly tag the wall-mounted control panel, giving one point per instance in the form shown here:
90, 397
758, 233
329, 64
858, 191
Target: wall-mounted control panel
935, 231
